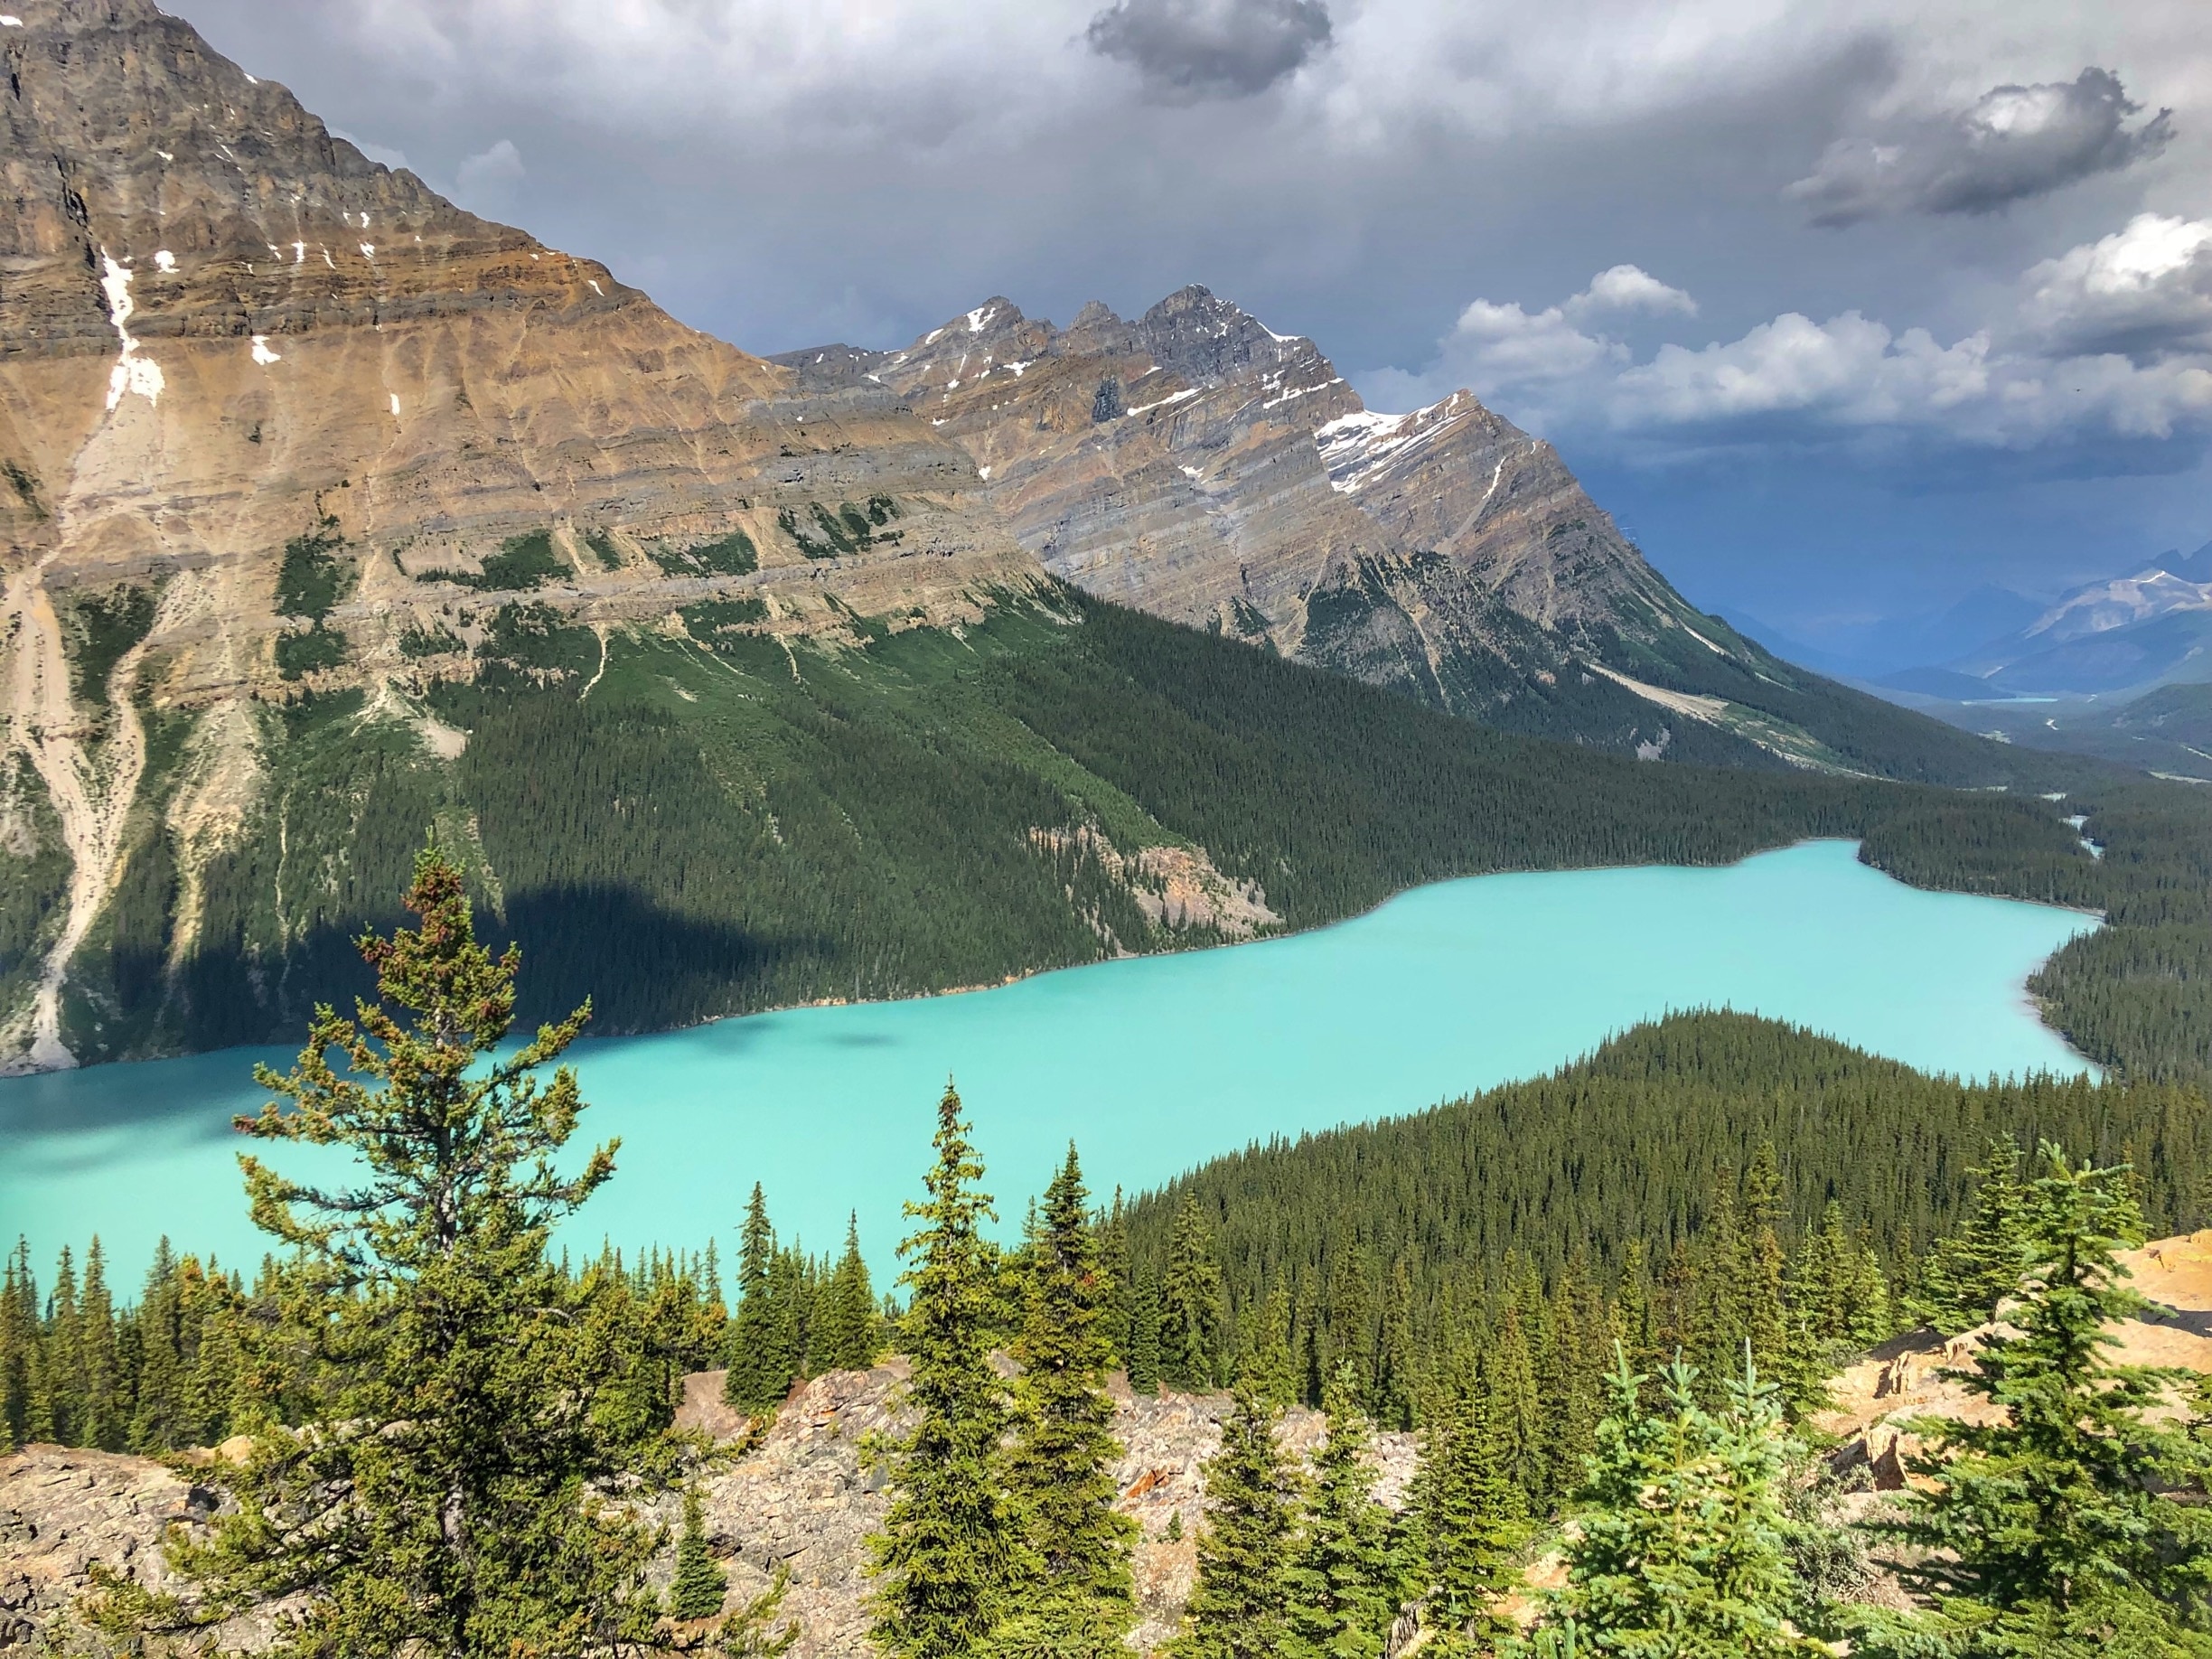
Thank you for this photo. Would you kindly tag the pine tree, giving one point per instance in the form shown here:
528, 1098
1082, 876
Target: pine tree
1078, 1597
1273, 1371
1114, 1278
1342, 1589
1394, 1383
1682, 1543
62, 1355
440, 1502
846, 1336
1144, 1349
760, 1370
1190, 1296
158, 1416
2054, 1529
699, 1584
1237, 1605
1969, 1273
1509, 1378
103, 1421
1471, 1513
950, 1547
18, 1342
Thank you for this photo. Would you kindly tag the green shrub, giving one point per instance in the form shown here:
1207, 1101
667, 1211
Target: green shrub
313, 579
521, 562
301, 653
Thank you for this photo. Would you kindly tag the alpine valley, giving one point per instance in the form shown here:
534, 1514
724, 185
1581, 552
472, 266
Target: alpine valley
334, 516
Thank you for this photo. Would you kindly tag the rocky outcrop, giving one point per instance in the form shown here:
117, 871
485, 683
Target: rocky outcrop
1877, 1400
803, 1497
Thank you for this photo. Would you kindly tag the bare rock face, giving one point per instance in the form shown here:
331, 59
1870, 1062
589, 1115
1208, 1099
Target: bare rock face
62, 1510
225, 334
803, 1498
1196, 464
808, 1496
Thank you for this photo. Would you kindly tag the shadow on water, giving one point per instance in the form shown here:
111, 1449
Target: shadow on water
644, 966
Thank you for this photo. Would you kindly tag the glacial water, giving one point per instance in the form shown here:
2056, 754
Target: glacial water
1150, 1065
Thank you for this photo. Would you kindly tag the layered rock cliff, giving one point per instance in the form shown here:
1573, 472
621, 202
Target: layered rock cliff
274, 418
1201, 466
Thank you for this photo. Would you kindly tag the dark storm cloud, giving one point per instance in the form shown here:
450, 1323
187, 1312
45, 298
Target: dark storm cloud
2013, 143
1191, 49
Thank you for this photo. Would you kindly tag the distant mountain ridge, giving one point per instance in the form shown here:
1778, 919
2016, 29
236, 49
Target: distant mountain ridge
2147, 627
1195, 463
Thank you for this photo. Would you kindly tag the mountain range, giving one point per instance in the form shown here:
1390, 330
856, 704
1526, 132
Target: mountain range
332, 511
2119, 635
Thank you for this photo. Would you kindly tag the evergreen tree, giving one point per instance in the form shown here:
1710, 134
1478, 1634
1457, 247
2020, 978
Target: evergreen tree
1471, 1513
1683, 1548
1342, 1589
157, 1415
1509, 1379
101, 1418
1395, 1382
61, 1357
19, 1343
2053, 1530
442, 1504
1971, 1272
1238, 1604
951, 1546
1114, 1279
1273, 1371
1144, 1349
760, 1367
1190, 1302
846, 1335
699, 1584
1078, 1597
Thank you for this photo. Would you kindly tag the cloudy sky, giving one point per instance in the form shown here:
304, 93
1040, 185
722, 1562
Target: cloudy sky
1845, 309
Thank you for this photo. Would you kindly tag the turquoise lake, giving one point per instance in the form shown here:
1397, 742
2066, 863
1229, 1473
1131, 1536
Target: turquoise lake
1149, 1064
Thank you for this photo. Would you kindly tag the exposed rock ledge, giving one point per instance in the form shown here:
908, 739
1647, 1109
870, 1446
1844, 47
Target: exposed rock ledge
801, 1498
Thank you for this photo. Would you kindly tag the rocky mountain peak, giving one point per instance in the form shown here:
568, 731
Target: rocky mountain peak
310, 428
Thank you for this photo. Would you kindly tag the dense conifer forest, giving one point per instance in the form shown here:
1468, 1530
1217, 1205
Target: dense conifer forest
691, 825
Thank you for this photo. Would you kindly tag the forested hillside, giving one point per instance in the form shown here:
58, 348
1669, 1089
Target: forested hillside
1595, 1183
710, 818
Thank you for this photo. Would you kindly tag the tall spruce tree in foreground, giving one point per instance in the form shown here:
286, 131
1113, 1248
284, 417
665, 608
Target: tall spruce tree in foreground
951, 1546
1077, 1599
1342, 1589
444, 1504
2051, 1529
1237, 1607
1682, 1553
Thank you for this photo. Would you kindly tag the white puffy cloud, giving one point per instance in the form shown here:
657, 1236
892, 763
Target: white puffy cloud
1629, 288
2144, 292
2109, 340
